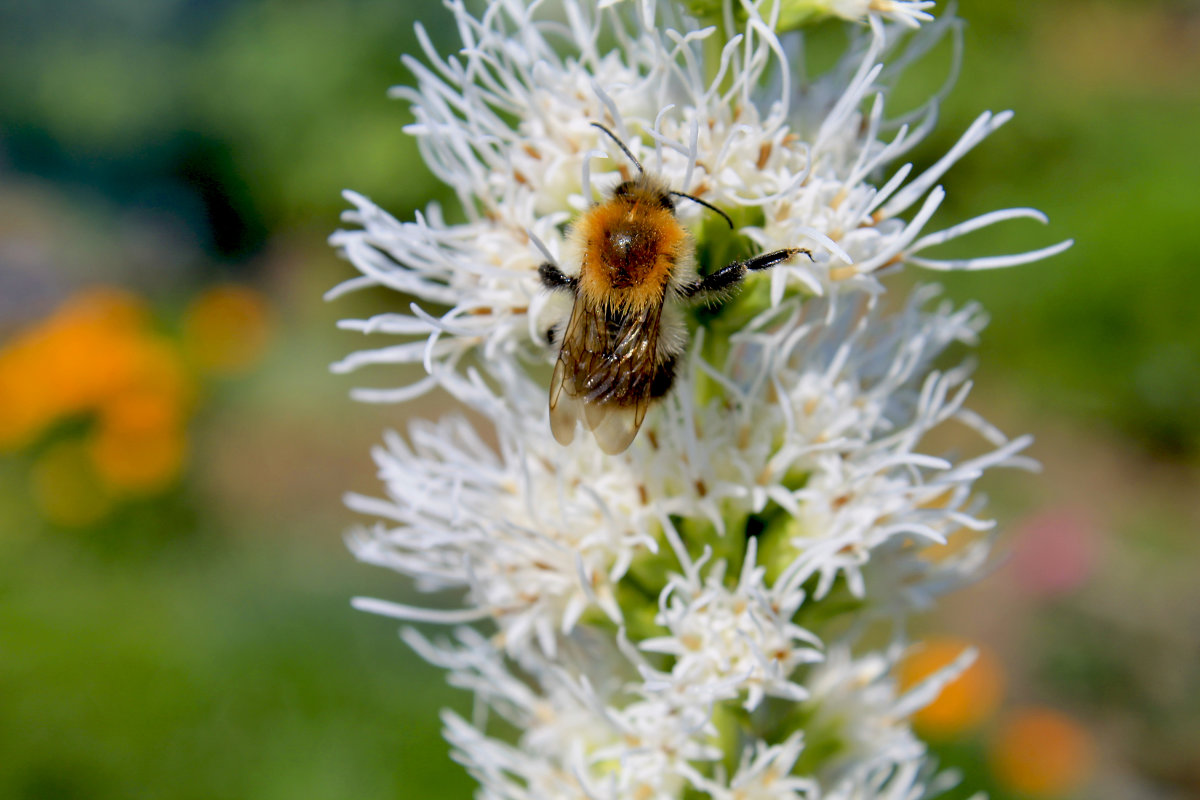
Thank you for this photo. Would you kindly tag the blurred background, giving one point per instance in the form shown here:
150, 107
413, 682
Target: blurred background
174, 617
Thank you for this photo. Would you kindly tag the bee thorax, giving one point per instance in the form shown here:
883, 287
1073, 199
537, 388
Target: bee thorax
628, 254
630, 247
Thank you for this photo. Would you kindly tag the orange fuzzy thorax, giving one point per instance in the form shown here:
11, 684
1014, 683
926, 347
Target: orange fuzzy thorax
630, 248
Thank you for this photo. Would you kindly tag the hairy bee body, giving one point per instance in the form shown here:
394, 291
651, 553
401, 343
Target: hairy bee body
619, 348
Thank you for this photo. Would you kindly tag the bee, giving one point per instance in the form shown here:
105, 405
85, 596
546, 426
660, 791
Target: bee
620, 348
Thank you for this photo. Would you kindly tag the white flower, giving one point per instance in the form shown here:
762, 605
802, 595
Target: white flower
538, 534
794, 162
685, 617
579, 738
908, 12
535, 534
763, 775
600, 739
855, 704
729, 642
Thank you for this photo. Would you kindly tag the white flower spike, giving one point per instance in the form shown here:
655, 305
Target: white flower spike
683, 619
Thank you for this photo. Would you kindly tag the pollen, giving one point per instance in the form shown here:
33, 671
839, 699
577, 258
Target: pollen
764, 154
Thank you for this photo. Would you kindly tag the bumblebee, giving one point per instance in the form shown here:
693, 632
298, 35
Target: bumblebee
620, 348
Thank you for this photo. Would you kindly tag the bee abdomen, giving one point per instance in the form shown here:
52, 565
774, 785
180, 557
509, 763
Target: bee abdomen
664, 378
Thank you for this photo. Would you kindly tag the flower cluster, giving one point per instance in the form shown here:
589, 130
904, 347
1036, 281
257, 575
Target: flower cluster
686, 618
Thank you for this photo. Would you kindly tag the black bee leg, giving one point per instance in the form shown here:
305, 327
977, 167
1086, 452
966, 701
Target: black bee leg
730, 276
553, 278
721, 280
768, 260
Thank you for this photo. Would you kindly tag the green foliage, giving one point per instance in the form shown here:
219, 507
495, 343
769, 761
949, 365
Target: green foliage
793, 14
265, 110
213, 668
1106, 331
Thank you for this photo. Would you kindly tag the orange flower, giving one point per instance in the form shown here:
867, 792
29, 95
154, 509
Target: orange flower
1042, 753
96, 354
966, 702
227, 329
87, 349
140, 461
156, 395
25, 410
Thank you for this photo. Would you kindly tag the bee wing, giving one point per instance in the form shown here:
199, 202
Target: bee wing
566, 407
618, 428
604, 373
621, 389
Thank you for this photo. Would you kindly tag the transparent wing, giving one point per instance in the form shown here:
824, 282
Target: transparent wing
565, 408
604, 373
565, 405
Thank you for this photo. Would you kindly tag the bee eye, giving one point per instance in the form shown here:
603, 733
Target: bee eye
666, 202
623, 189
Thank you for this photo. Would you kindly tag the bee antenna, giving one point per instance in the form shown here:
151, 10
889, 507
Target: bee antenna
621, 145
703, 203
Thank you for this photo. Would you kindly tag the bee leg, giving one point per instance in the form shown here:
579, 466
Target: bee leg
553, 278
730, 276
767, 260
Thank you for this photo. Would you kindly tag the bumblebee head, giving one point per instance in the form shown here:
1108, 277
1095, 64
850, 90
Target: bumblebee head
644, 190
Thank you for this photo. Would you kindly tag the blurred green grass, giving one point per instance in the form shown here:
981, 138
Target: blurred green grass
200, 643
228, 668
1106, 96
